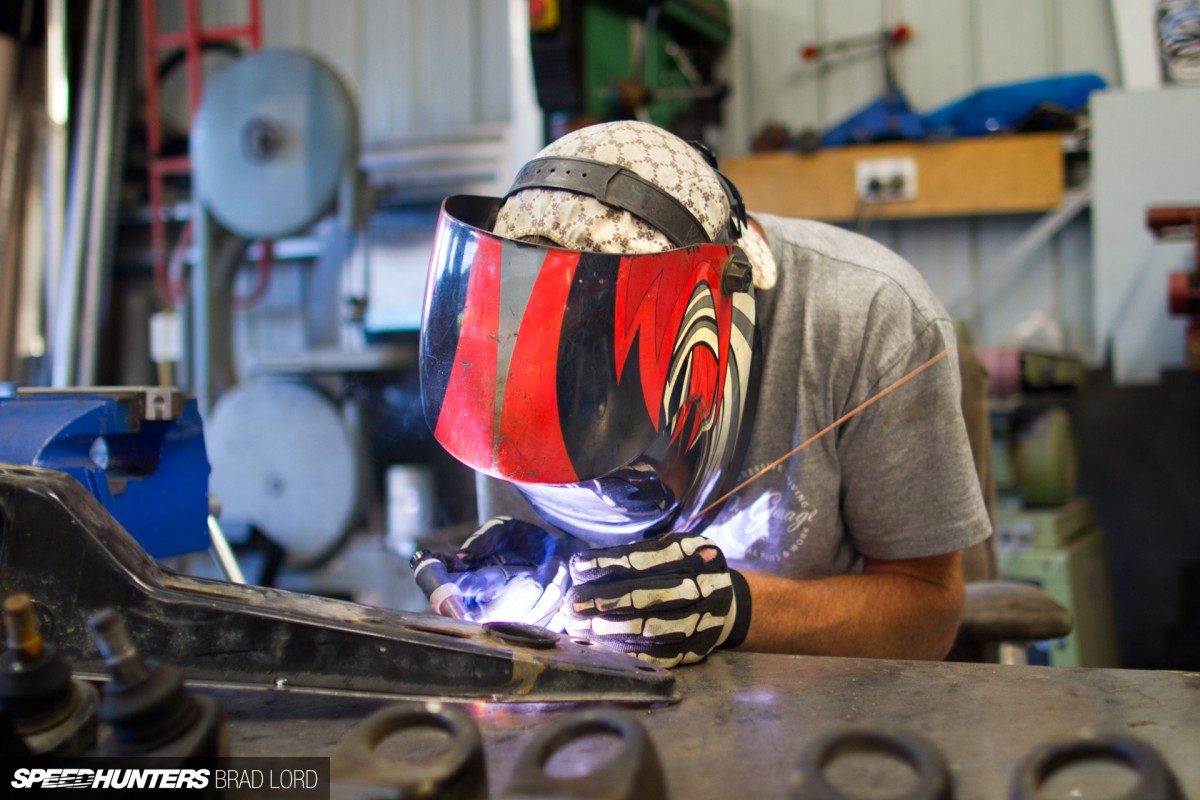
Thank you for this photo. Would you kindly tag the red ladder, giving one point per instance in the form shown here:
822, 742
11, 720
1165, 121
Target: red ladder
191, 38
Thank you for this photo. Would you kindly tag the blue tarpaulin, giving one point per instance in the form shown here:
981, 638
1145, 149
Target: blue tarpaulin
992, 109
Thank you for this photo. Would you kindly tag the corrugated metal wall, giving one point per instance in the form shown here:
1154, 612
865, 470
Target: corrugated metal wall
422, 66
957, 46
415, 66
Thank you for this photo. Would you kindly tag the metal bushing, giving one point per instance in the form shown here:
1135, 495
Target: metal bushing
810, 780
632, 773
1155, 781
521, 634
457, 774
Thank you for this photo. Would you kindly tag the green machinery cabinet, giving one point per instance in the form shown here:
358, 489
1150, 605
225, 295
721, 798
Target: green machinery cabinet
1076, 573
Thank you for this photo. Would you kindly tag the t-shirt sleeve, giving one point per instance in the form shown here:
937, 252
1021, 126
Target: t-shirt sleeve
909, 485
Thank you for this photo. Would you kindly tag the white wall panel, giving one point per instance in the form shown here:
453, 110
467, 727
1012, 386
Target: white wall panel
414, 66
285, 22
335, 32
943, 251
770, 82
1013, 40
1010, 296
1086, 38
491, 46
218, 12
849, 82
1144, 155
1075, 284
885, 232
936, 66
448, 69
387, 89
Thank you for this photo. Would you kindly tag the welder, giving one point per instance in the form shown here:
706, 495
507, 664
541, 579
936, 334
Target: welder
632, 363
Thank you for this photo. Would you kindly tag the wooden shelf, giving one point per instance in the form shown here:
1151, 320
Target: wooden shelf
963, 177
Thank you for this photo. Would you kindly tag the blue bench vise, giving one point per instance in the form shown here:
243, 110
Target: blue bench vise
139, 450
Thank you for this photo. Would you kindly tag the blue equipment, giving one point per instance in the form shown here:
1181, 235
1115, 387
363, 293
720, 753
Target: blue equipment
883, 120
1005, 107
138, 450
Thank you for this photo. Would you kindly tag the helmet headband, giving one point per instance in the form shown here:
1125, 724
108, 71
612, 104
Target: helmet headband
615, 186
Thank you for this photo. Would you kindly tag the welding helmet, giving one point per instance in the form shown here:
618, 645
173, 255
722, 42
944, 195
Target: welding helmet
591, 337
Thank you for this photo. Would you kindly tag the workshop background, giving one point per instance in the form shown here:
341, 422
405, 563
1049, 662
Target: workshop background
311, 381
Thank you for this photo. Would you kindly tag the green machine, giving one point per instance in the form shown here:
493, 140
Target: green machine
1047, 535
599, 60
1064, 552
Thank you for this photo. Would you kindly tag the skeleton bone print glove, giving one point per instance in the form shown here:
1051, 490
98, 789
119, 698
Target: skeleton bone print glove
668, 601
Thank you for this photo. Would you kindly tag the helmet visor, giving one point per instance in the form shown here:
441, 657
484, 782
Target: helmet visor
541, 365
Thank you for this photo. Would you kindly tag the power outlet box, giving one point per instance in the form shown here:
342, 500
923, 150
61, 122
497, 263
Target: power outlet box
885, 180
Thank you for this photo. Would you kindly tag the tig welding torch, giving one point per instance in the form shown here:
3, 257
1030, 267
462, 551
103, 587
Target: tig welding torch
434, 580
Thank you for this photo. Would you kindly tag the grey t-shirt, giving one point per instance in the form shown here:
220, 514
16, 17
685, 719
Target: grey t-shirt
845, 320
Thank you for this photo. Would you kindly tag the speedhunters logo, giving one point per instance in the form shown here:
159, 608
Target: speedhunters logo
81, 778
226, 778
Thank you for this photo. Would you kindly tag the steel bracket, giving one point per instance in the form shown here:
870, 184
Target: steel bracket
62, 547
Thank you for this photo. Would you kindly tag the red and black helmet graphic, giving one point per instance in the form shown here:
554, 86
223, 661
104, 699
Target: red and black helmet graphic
553, 368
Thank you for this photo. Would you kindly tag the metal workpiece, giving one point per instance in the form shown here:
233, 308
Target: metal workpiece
456, 772
224, 634
811, 778
1153, 779
746, 718
633, 772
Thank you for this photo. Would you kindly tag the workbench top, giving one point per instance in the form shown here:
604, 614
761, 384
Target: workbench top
744, 718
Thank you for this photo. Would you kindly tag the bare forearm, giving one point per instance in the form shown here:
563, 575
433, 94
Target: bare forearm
882, 613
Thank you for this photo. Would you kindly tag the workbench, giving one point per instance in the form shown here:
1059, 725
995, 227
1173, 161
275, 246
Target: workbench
313, 668
744, 719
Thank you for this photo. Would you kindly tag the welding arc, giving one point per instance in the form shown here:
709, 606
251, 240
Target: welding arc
831, 426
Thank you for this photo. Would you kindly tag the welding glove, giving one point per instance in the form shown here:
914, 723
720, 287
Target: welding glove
668, 601
511, 571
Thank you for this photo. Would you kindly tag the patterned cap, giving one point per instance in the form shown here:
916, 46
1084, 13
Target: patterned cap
578, 222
